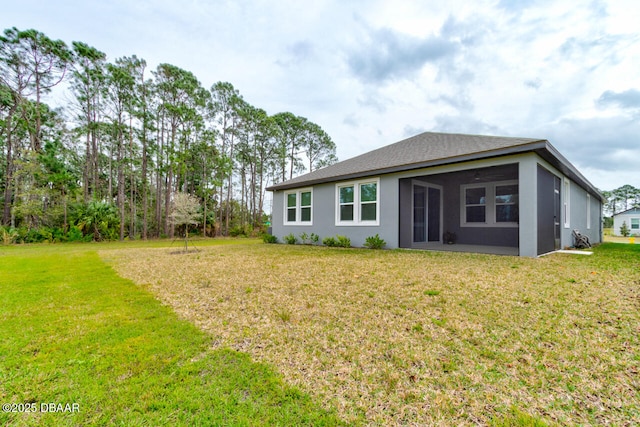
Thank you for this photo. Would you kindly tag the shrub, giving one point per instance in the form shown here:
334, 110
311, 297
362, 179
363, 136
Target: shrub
30, 235
309, 239
374, 242
269, 238
237, 231
338, 241
8, 235
330, 241
290, 239
75, 235
97, 219
343, 241
624, 229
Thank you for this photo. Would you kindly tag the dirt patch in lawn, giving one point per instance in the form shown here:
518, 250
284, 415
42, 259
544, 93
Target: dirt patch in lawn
418, 338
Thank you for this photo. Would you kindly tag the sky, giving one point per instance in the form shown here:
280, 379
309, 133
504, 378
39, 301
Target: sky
372, 73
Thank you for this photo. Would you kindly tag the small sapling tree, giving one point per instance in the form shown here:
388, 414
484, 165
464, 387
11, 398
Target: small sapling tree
186, 211
624, 229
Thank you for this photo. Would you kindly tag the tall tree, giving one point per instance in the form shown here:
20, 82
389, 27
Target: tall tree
180, 94
290, 141
626, 196
121, 85
14, 88
318, 146
135, 143
44, 62
224, 108
88, 84
145, 115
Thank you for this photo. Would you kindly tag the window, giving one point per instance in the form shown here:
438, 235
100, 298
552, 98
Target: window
305, 206
635, 223
369, 201
566, 205
588, 211
475, 202
357, 203
292, 207
492, 204
507, 203
346, 203
298, 204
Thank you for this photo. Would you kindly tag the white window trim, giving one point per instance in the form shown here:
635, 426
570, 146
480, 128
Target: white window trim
490, 205
631, 223
567, 203
298, 192
588, 211
357, 203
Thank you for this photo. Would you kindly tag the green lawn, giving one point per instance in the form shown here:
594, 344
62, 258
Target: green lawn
242, 333
74, 332
417, 337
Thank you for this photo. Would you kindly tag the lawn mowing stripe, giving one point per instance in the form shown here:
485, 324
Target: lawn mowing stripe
75, 332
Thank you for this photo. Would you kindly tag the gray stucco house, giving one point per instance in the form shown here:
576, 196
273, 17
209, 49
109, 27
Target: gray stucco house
515, 196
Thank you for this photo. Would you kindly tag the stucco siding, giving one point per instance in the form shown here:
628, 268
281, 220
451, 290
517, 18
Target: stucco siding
324, 216
626, 217
582, 207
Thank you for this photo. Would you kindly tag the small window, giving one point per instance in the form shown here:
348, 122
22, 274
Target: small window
588, 211
507, 203
475, 204
346, 203
298, 207
368, 201
357, 203
305, 206
635, 223
292, 206
567, 205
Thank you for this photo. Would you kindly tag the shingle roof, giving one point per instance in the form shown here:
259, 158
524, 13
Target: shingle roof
433, 149
629, 211
423, 150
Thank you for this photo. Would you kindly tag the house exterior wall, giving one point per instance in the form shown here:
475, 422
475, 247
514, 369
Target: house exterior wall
618, 219
397, 186
324, 215
528, 230
585, 215
579, 210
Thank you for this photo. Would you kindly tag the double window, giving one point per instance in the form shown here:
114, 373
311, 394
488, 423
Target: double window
298, 207
493, 204
635, 223
358, 203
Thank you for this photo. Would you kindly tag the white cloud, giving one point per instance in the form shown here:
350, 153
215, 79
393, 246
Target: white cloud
370, 72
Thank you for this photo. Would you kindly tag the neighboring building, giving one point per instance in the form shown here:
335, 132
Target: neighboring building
631, 217
515, 196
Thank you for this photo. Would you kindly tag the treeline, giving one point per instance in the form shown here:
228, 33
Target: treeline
107, 164
621, 199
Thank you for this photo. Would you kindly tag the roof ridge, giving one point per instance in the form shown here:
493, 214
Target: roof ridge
407, 153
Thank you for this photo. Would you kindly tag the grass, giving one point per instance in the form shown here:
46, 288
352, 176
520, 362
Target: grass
74, 332
421, 338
